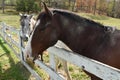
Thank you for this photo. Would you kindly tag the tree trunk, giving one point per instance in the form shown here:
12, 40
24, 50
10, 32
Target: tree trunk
69, 3
49, 3
3, 6
113, 9
73, 7
95, 7
81, 5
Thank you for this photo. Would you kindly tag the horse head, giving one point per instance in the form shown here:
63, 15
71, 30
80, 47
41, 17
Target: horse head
26, 27
45, 33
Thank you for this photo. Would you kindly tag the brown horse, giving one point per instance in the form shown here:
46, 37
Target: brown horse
59, 44
81, 35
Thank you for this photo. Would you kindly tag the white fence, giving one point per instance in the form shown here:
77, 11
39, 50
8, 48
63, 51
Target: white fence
101, 70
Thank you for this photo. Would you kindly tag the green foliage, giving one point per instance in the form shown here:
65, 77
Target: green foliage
26, 5
20, 5
36, 8
71, 68
110, 8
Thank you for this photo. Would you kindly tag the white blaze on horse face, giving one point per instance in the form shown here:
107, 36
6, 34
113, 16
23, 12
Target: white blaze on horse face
37, 23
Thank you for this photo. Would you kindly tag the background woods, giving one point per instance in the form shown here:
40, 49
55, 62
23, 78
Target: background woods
106, 7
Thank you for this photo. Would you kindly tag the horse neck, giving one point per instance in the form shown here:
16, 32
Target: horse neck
78, 37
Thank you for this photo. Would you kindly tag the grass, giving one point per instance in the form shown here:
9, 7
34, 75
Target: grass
12, 69
10, 66
107, 21
12, 20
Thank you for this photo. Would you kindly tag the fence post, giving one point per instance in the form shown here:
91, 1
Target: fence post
52, 63
4, 30
20, 45
10, 39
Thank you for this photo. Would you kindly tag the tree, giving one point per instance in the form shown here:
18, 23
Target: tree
26, 5
111, 8
12, 2
102, 6
95, 6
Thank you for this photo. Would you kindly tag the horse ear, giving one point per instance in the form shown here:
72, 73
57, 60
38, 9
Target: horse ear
30, 16
47, 10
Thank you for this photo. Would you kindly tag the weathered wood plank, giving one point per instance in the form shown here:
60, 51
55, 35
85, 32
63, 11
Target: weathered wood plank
52, 63
31, 71
49, 70
12, 40
99, 69
10, 28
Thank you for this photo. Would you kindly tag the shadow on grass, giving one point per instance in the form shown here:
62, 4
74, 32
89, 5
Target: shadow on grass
15, 71
11, 12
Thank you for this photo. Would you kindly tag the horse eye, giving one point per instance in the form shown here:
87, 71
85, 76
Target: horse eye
42, 29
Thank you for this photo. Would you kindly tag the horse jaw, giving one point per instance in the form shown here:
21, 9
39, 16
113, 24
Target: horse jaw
28, 50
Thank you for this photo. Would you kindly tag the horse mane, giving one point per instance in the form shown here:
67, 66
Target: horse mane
73, 16
76, 17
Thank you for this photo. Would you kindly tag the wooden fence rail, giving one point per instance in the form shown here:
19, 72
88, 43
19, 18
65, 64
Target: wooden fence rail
99, 69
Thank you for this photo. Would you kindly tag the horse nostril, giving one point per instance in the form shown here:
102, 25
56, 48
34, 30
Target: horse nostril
26, 38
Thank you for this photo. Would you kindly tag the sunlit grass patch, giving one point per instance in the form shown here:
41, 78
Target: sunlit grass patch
105, 20
12, 20
10, 66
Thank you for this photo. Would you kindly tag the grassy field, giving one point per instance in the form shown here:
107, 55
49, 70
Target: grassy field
107, 21
10, 66
12, 69
10, 17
